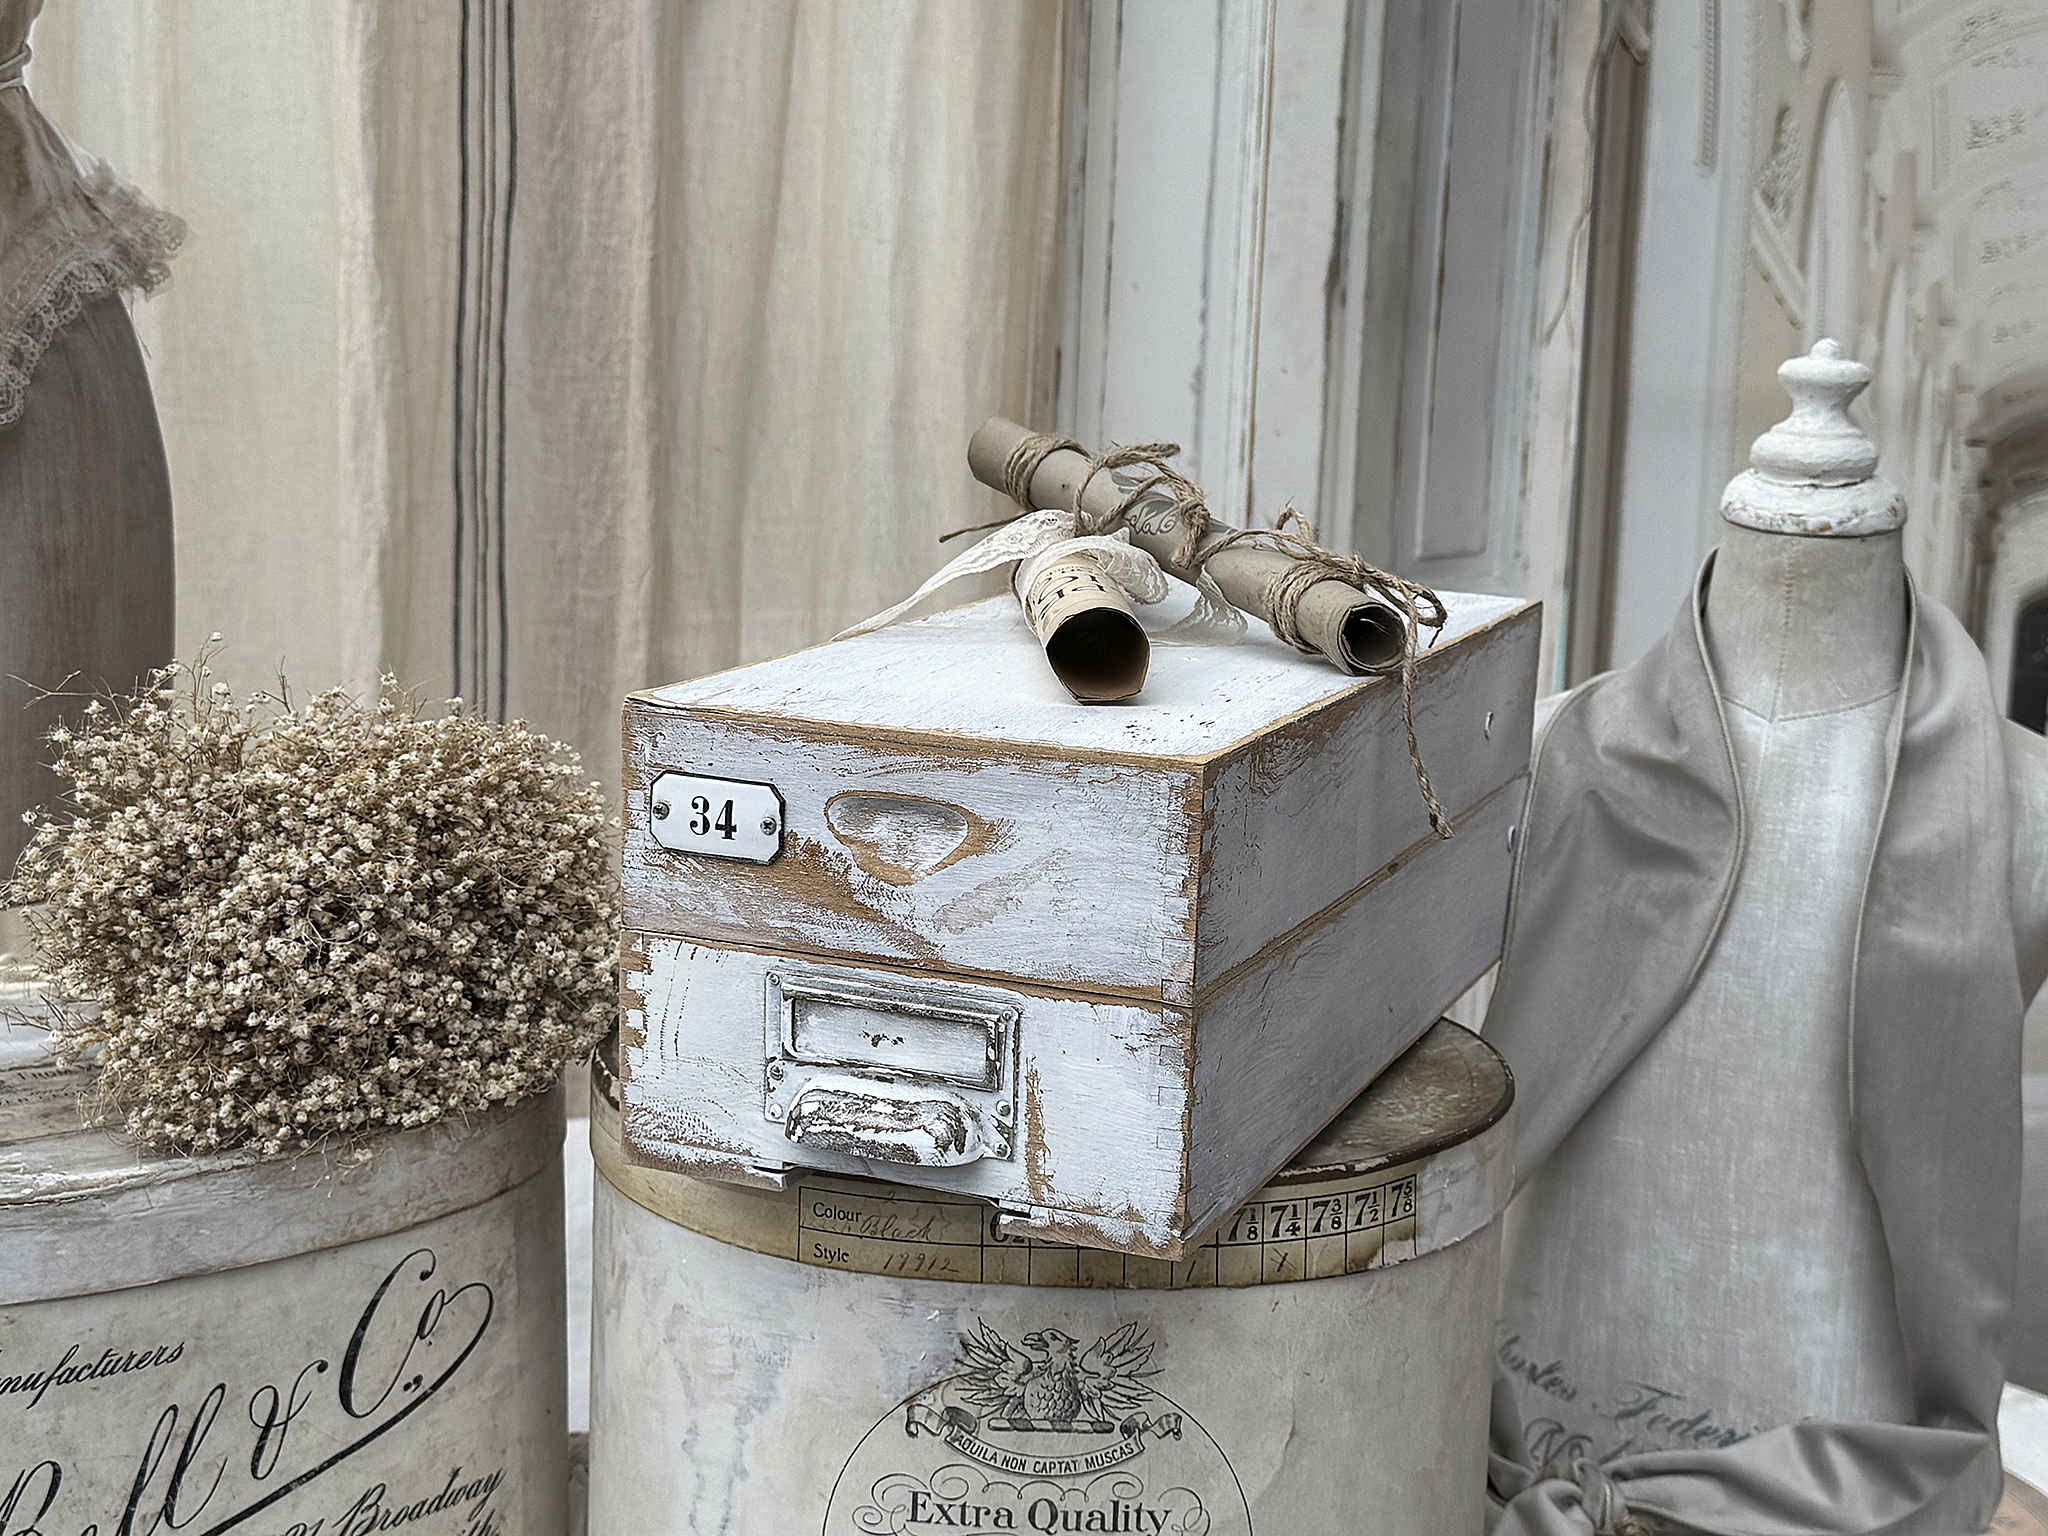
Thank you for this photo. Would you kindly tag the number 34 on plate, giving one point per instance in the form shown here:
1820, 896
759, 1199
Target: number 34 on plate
717, 818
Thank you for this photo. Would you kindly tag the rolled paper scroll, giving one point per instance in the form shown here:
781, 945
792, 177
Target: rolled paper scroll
1093, 642
1358, 634
1075, 590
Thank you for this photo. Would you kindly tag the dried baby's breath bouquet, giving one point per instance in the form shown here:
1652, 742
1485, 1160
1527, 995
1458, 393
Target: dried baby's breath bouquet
303, 921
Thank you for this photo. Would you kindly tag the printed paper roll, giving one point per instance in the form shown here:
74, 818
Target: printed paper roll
1092, 640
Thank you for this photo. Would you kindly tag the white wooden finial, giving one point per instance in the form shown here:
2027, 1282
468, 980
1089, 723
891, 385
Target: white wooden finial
1815, 473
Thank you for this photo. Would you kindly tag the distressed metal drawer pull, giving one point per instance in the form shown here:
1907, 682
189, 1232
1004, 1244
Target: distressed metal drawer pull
892, 1071
929, 1130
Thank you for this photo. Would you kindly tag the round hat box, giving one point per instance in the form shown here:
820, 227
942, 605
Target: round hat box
362, 1338
849, 1356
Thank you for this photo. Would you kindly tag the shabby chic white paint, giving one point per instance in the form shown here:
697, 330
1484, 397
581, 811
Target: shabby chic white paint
1241, 855
1170, 813
1100, 1127
1317, 806
1171, 134
1308, 266
1048, 840
975, 671
1141, 1124
1815, 473
1289, 1042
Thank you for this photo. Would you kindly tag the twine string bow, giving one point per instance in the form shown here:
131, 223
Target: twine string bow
1034, 536
1419, 607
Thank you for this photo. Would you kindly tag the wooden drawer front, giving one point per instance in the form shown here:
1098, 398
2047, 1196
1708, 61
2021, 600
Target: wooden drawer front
720, 1043
1071, 874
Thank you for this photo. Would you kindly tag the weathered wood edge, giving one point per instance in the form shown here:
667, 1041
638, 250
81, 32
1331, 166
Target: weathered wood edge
1064, 1223
935, 742
1199, 1227
1199, 773
1329, 911
909, 969
962, 743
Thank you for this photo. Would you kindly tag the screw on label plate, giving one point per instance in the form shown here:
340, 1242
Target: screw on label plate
661, 810
768, 826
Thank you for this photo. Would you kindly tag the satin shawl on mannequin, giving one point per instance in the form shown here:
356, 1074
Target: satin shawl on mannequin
1627, 859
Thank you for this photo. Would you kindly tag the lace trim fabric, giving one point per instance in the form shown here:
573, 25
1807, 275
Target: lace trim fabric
102, 238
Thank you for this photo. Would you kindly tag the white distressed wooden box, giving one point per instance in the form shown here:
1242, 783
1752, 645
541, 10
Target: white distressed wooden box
898, 905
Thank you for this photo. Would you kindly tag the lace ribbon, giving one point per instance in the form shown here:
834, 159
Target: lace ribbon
1036, 536
1294, 536
74, 232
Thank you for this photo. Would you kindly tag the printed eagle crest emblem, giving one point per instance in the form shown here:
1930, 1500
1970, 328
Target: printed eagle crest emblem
1046, 1380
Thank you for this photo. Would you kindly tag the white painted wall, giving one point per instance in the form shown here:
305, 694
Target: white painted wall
1688, 271
1330, 248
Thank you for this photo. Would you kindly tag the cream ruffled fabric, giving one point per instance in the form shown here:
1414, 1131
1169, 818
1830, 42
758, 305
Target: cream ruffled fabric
1035, 540
70, 229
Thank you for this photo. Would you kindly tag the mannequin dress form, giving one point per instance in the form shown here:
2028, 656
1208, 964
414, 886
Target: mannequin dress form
1702, 1257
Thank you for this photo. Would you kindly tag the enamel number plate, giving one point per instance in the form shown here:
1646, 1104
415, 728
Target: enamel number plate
721, 818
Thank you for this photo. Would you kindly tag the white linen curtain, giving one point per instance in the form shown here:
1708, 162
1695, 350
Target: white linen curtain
540, 352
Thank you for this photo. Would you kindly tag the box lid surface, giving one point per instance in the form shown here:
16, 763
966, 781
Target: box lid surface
939, 801
978, 672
